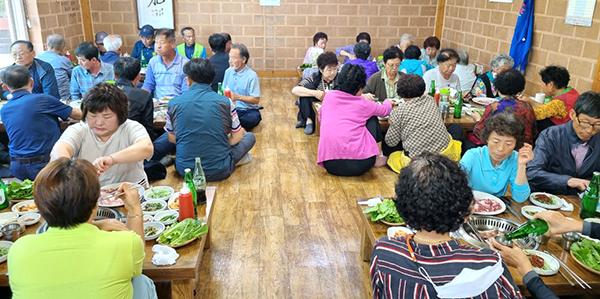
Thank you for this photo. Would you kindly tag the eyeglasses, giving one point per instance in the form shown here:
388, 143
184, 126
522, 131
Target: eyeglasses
586, 125
393, 65
20, 54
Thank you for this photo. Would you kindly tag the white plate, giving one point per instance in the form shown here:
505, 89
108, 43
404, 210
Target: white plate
172, 200
8, 217
164, 213
147, 202
150, 191
34, 216
482, 195
148, 218
6, 244
15, 208
536, 209
393, 229
118, 203
484, 101
157, 225
549, 261
557, 202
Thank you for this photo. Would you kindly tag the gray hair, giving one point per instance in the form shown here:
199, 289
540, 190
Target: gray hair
501, 60
243, 51
405, 37
55, 42
463, 57
113, 42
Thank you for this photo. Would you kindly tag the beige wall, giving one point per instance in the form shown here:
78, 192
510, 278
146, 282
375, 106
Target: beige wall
278, 37
50, 17
485, 29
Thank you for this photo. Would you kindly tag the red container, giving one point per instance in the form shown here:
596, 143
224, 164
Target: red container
186, 203
437, 98
227, 93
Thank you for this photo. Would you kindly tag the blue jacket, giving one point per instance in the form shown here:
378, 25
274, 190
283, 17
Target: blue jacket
414, 66
553, 164
47, 78
522, 38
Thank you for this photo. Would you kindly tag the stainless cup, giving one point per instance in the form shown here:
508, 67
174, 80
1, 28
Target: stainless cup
568, 239
12, 231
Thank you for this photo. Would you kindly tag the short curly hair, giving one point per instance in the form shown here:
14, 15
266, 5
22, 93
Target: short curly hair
557, 75
392, 53
510, 82
325, 59
504, 124
433, 194
351, 79
432, 41
411, 86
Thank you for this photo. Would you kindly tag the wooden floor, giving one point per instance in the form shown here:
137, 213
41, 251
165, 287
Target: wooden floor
283, 227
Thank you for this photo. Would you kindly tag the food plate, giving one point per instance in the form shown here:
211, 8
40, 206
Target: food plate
30, 218
162, 214
398, 231
551, 264
117, 202
25, 207
488, 204
582, 264
556, 202
159, 192
174, 201
484, 101
148, 218
180, 245
391, 223
152, 206
7, 245
156, 226
531, 209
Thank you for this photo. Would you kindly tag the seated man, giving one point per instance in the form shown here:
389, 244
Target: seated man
348, 51
90, 70
164, 76
228, 41
31, 122
220, 58
465, 71
189, 48
42, 73
63, 67
143, 49
141, 107
244, 86
567, 155
112, 44
99, 39
362, 51
204, 124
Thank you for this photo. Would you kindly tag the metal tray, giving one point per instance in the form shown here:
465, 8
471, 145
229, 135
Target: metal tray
485, 223
103, 213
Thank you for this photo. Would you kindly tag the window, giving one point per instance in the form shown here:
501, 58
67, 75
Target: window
12, 27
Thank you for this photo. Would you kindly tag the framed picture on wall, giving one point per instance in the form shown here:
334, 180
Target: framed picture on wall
158, 13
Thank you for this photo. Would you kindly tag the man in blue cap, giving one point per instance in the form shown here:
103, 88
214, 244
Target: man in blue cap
143, 49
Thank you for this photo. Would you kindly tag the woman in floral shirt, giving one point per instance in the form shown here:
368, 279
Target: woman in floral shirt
484, 85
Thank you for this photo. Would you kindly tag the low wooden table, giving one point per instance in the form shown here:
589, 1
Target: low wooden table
373, 231
184, 275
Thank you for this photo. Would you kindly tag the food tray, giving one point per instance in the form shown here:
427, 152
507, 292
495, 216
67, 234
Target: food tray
103, 213
485, 223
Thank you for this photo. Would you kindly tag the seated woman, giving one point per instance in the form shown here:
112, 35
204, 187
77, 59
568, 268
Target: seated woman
117, 146
313, 88
348, 51
433, 197
508, 83
411, 63
362, 51
484, 85
443, 74
349, 129
492, 167
418, 126
560, 98
383, 84
319, 45
75, 259
430, 53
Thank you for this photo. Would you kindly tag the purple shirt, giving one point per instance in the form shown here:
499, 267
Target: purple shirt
345, 135
369, 66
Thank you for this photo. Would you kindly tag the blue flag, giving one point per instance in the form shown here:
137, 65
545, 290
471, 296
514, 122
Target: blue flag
521, 42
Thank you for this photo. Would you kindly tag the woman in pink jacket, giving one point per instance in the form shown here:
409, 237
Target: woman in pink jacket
349, 127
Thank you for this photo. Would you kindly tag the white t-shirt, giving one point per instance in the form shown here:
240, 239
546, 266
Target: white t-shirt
440, 82
86, 145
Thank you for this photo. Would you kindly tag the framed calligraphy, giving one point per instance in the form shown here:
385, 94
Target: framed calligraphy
158, 13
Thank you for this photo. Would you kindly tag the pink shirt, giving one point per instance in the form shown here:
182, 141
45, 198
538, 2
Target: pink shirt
344, 134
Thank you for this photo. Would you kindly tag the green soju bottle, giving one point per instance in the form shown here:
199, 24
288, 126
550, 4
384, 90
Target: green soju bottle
143, 60
432, 89
220, 88
458, 105
3, 196
190, 183
589, 204
534, 227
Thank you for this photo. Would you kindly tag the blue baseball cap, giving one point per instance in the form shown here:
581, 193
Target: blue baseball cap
147, 31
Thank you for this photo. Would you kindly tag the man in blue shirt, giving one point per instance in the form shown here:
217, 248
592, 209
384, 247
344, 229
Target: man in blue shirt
42, 72
143, 49
189, 48
220, 58
244, 86
204, 124
63, 67
89, 72
31, 122
112, 44
164, 76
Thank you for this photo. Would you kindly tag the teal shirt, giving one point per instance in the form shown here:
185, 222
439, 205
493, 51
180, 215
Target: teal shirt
483, 176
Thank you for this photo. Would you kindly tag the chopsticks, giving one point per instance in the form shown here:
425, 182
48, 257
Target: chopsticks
573, 274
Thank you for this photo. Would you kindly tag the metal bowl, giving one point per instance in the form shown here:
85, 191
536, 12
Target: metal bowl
485, 223
103, 213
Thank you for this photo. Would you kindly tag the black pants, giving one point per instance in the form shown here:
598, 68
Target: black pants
305, 109
456, 131
544, 124
356, 167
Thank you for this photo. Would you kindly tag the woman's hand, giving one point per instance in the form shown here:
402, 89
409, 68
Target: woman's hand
102, 164
476, 116
110, 225
525, 154
558, 224
131, 198
512, 256
368, 96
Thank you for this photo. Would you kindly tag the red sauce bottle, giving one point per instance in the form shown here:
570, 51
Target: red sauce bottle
186, 203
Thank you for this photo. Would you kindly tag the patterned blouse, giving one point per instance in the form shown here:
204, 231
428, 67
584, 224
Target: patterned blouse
555, 108
511, 105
